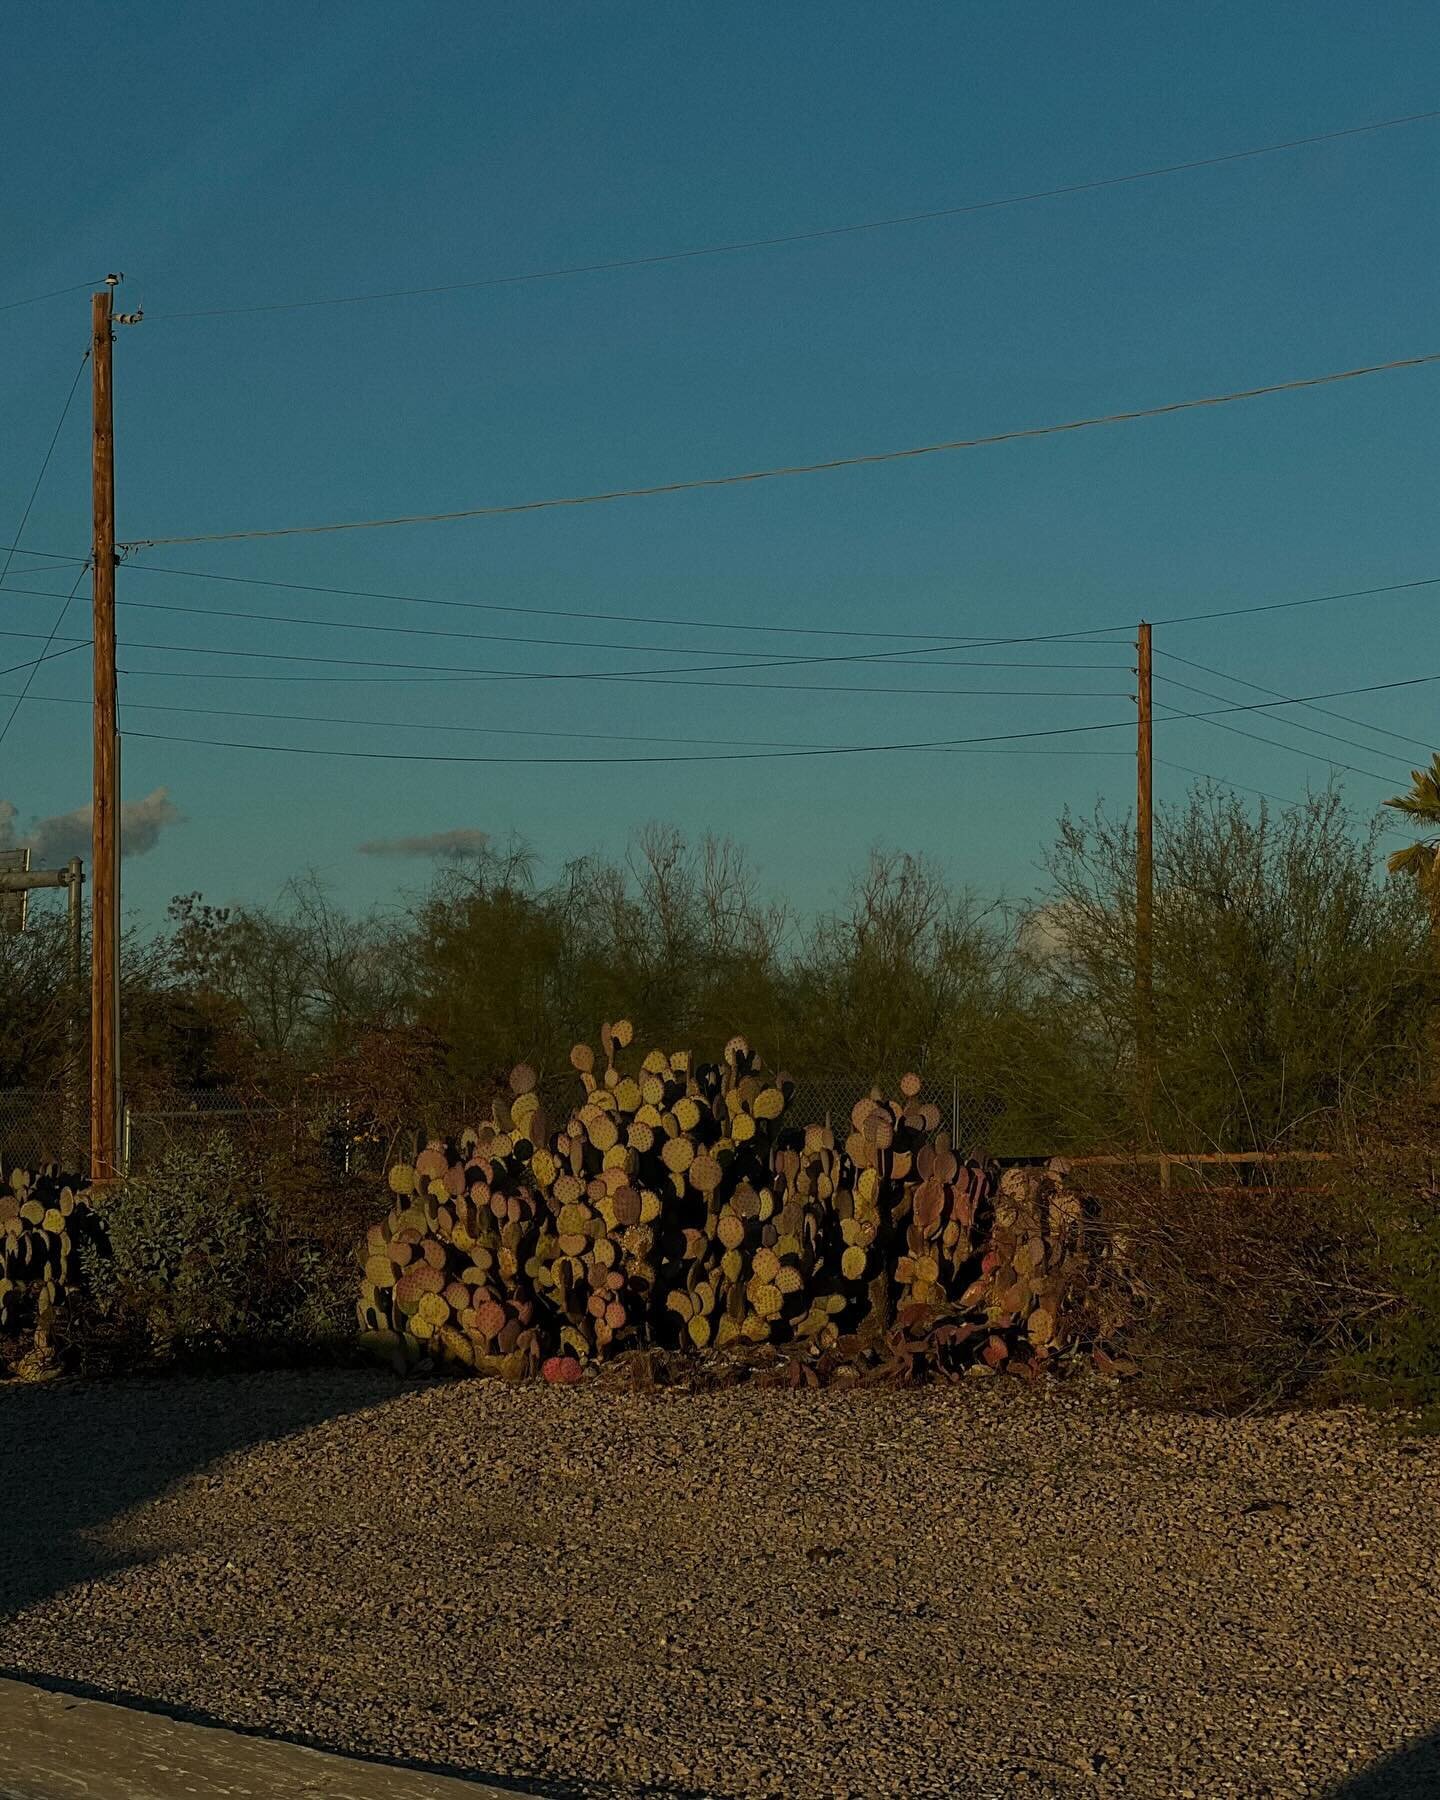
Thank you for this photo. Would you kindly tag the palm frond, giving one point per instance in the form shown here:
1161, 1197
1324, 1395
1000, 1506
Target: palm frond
1423, 800
1414, 859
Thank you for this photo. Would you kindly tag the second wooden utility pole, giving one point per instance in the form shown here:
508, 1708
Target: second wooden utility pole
1144, 887
105, 826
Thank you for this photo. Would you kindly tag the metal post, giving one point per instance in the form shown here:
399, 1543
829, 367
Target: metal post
1144, 888
74, 1147
74, 882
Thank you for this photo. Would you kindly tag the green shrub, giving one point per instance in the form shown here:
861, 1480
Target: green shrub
223, 1246
191, 1244
1394, 1188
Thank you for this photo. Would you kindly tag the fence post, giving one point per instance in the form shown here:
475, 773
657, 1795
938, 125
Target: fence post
125, 1139
955, 1111
1164, 1174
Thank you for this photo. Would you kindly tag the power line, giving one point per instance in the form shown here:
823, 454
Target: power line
44, 656
45, 464
666, 676
45, 568
308, 718
1229, 612
1325, 711
1088, 632
815, 468
1096, 631
593, 762
490, 637
1294, 724
555, 612
1260, 793
650, 677
933, 638
49, 555
54, 655
669, 676
80, 287
1220, 780
895, 658
776, 687
1244, 612
811, 236
1279, 744
395, 724
745, 687
769, 755
932, 651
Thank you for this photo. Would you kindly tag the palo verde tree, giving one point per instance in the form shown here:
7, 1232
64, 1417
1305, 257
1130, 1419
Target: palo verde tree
1421, 861
1289, 981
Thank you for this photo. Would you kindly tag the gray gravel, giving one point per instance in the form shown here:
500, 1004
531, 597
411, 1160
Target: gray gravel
964, 1593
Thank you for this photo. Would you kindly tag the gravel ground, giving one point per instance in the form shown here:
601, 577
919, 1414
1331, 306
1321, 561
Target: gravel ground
964, 1593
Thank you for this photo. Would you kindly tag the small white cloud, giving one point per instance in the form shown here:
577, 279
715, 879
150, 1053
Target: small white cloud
451, 845
55, 840
1047, 932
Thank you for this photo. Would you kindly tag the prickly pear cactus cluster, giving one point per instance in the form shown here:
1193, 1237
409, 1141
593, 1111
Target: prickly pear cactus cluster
44, 1218
676, 1210
1034, 1258
450, 1274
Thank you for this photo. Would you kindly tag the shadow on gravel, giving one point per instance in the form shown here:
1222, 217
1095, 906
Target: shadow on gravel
76, 1456
1412, 1773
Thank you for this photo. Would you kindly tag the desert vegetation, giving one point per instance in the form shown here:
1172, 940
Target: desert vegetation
524, 1201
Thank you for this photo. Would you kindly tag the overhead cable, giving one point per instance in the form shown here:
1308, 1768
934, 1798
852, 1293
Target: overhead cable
625, 737
1090, 631
1332, 737
50, 656
1224, 781
1325, 711
1095, 631
1256, 737
916, 654
855, 690
1259, 793
813, 235
667, 676
556, 612
10, 549
740, 756
44, 656
602, 761
815, 468
79, 287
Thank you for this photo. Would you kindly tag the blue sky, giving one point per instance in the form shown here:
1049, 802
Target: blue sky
266, 153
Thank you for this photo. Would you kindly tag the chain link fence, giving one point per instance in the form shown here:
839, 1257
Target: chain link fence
39, 1125
969, 1116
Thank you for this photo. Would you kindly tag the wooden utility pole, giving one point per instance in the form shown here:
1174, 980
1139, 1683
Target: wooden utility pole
1144, 886
105, 829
